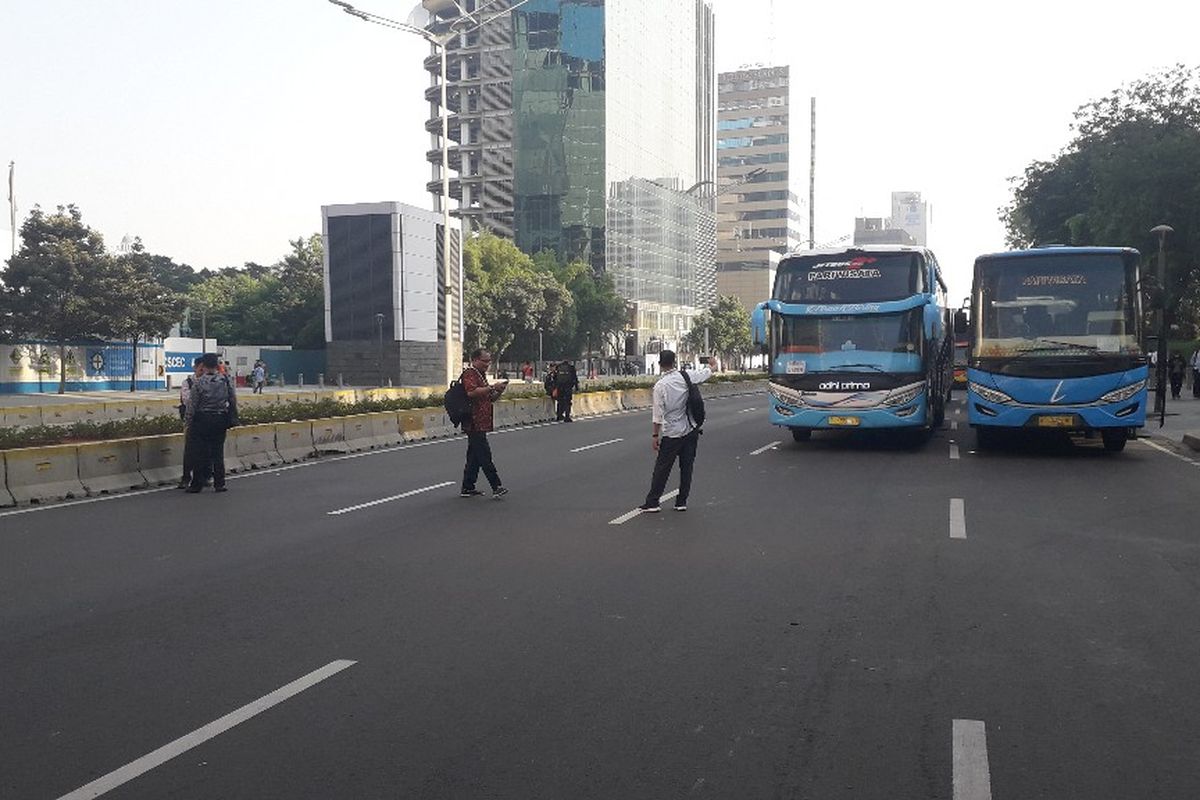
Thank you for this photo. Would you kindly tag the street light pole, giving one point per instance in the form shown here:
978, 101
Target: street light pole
203, 330
379, 324
1160, 373
539, 352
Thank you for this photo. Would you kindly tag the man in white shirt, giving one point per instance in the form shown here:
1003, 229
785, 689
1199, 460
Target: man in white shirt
675, 434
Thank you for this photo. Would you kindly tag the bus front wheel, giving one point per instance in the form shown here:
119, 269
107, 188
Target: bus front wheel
1114, 439
801, 434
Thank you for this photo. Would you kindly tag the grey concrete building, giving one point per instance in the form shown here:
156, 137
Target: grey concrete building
393, 303
758, 213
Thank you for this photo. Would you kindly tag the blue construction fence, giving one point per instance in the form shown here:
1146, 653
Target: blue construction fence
291, 364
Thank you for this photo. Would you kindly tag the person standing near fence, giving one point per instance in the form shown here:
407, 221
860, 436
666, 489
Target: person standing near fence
259, 376
212, 412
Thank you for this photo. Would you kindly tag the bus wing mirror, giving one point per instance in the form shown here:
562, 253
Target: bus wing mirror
758, 325
961, 326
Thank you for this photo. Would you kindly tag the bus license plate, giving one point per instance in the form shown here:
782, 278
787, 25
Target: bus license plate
844, 422
1056, 421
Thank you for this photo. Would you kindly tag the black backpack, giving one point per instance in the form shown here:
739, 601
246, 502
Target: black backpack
695, 401
458, 405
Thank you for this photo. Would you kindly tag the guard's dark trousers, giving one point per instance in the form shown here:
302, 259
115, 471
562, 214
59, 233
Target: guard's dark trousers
208, 449
563, 408
670, 448
189, 457
479, 456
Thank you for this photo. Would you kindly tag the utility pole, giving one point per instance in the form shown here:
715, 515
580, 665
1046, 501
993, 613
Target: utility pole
1160, 372
812, 173
12, 205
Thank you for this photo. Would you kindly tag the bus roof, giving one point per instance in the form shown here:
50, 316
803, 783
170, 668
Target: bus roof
859, 248
1060, 250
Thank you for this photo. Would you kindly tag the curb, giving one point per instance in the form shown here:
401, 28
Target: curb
1192, 440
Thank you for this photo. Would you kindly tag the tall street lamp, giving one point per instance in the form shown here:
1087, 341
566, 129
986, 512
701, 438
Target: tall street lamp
379, 324
1160, 376
440, 42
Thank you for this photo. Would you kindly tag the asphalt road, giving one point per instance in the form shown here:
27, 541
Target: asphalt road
825, 621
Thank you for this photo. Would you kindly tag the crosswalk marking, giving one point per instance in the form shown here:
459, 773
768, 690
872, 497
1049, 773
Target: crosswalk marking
972, 778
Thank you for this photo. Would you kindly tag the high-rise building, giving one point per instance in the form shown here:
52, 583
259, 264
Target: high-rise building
586, 127
911, 214
758, 214
392, 300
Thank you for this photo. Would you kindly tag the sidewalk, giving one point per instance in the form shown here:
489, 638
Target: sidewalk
1183, 416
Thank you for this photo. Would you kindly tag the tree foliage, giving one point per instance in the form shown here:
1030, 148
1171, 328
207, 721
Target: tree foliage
61, 283
1133, 163
728, 329
142, 307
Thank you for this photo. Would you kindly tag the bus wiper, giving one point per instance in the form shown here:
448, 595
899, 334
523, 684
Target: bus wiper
1090, 347
1029, 351
875, 367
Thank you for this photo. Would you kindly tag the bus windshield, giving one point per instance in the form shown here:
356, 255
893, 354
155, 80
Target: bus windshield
1048, 306
821, 343
851, 277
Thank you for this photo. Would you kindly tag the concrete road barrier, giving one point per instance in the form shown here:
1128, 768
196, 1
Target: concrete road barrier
254, 446
329, 436
119, 411
632, 399
6, 498
412, 425
160, 458
70, 413
347, 396
107, 467
358, 432
43, 474
167, 407
293, 441
21, 417
385, 429
233, 464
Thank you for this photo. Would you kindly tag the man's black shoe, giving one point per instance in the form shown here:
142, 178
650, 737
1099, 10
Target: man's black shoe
470, 493
221, 489
646, 509
498, 493
194, 489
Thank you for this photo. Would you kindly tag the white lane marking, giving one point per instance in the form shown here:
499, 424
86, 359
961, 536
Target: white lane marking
361, 506
626, 517
958, 519
601, 444
197, 737
953, 424
761, 450
953, 452
972, 778
747, 410
1171, 453
317, 462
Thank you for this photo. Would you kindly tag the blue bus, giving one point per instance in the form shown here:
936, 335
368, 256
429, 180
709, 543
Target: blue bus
857, 338
1056, 344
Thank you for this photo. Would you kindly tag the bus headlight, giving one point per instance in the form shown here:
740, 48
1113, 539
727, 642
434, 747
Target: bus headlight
989, 394
905, 394
1124, 393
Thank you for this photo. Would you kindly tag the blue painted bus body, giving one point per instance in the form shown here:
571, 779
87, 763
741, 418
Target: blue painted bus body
1084, 369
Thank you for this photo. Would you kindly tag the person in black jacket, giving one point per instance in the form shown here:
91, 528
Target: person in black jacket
1176, 370
567, 383
212, 412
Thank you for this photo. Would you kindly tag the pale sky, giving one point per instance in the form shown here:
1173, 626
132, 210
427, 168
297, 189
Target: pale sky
217, 130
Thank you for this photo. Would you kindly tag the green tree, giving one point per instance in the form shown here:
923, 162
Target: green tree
59, 286
143, 307
728, 329
1131, 165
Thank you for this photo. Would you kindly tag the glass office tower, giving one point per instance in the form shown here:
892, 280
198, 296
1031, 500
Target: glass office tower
613, 156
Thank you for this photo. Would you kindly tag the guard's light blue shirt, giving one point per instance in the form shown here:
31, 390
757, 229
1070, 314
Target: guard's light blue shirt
670, 401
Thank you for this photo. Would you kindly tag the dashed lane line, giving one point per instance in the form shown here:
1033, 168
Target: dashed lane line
381, 501
593, 446
958, 519
972, 779
953, 452
197, 737
762, 450
621, 520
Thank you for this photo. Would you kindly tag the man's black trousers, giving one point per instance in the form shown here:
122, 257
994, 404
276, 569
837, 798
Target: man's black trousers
670, 448
207, 432
563, 408
479, 456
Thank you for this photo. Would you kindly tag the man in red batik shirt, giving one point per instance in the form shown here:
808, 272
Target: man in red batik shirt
479, 452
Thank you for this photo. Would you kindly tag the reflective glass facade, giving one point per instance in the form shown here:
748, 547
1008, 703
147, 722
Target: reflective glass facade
613, 123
